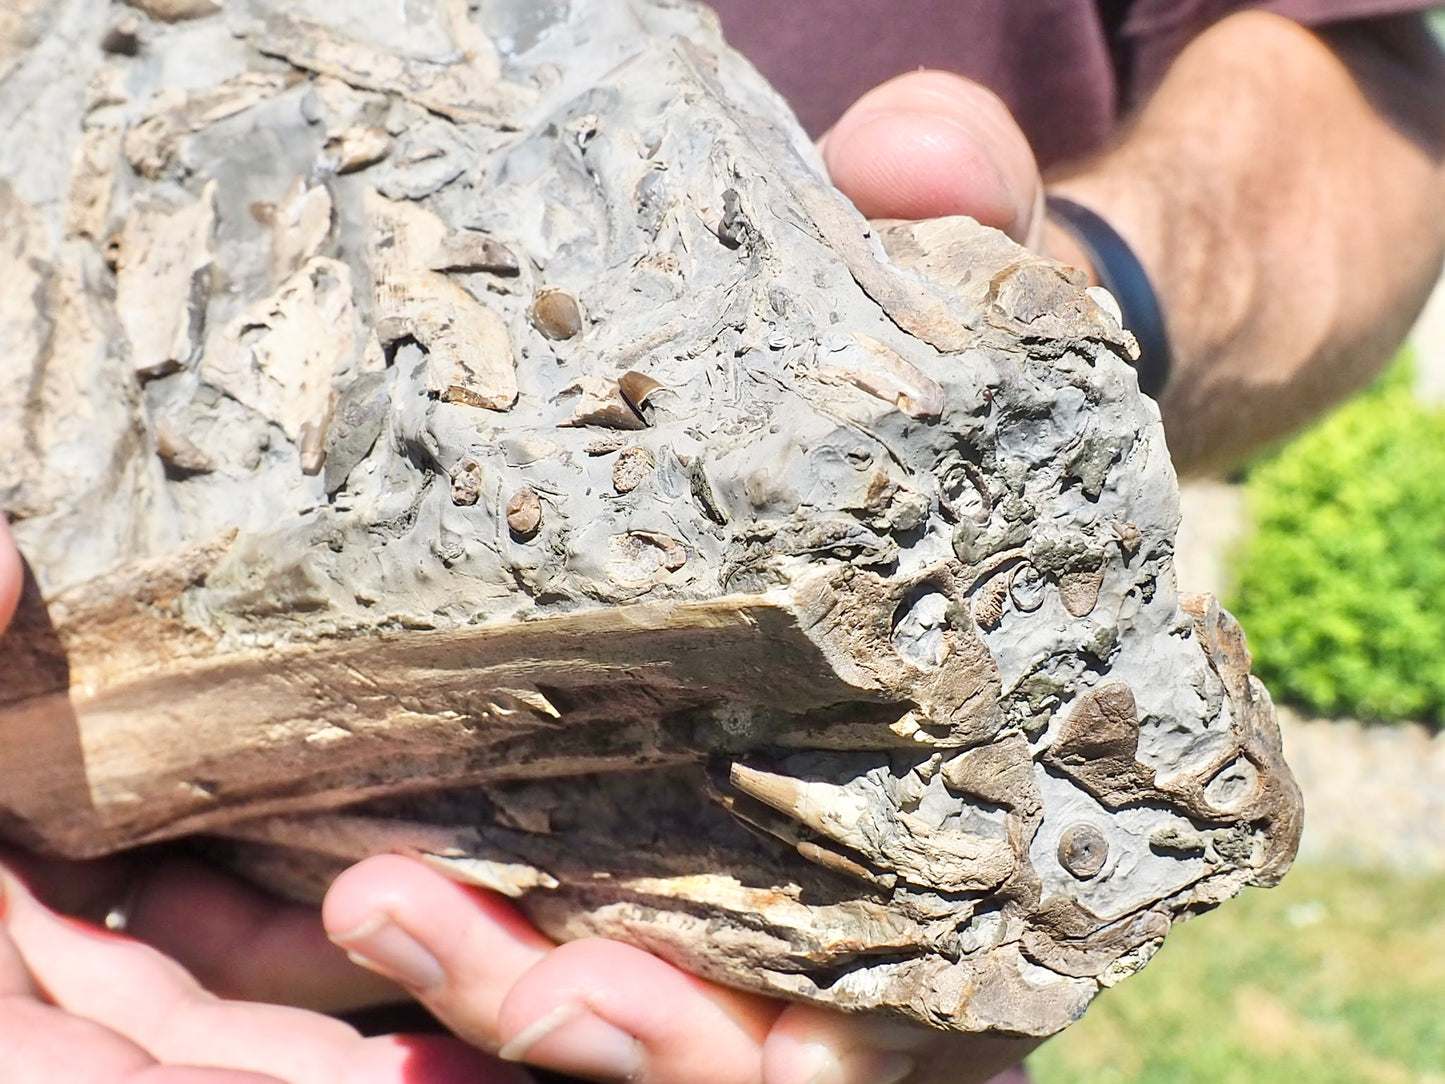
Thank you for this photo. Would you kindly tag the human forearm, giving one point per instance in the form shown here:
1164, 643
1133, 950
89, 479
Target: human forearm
1291, 227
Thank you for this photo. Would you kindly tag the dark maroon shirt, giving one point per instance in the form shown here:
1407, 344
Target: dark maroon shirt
1067, 68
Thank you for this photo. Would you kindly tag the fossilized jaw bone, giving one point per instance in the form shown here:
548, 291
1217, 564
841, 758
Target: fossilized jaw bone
642, 543
968, 889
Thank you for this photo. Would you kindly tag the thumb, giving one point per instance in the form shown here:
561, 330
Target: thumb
808, 1044
929, 144
11, 575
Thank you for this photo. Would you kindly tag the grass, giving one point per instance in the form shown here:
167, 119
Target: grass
1335, 977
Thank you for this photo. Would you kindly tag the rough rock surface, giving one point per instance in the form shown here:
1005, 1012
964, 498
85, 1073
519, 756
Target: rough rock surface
492, 424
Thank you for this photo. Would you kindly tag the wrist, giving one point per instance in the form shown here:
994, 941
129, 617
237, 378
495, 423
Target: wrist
1112, 264
1061, 245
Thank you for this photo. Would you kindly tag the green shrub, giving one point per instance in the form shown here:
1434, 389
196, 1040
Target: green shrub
1341, 587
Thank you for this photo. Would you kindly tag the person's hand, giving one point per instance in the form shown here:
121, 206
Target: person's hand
84, 1006
929, 144
607, 1011
11, 575
236, 941
81, 1005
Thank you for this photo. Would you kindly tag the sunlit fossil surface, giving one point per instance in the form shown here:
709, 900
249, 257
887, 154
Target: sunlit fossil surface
488, 437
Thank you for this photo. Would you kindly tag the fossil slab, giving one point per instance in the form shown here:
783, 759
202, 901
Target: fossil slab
487, 436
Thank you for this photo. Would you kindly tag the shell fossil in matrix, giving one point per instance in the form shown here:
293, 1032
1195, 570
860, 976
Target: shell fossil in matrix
487, 436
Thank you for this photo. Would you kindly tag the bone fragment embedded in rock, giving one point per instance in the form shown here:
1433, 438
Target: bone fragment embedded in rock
481, 432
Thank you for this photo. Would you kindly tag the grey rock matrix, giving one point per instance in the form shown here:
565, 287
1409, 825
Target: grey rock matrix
487, 436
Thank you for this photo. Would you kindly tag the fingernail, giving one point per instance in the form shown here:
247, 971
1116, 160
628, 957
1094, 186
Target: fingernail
572, 1039
873, 1067
380, 945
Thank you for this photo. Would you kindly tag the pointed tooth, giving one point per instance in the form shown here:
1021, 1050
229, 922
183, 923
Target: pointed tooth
843, 864
511, 879
782, 792
827, 809
764, 821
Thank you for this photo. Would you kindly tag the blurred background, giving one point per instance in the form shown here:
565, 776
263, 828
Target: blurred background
1331, 552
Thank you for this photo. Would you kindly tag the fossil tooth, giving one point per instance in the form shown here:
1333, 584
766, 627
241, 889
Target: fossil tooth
599, 401
823, 807
632, 467
474, 253
467, 484
1026, 587
312, 448
843, 864
171, 11
1079, 591
511, 879
123, 38
300, 224
637, 388
556, 314
356, 148
179, 451
889, 377
1083, 850
524, 512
